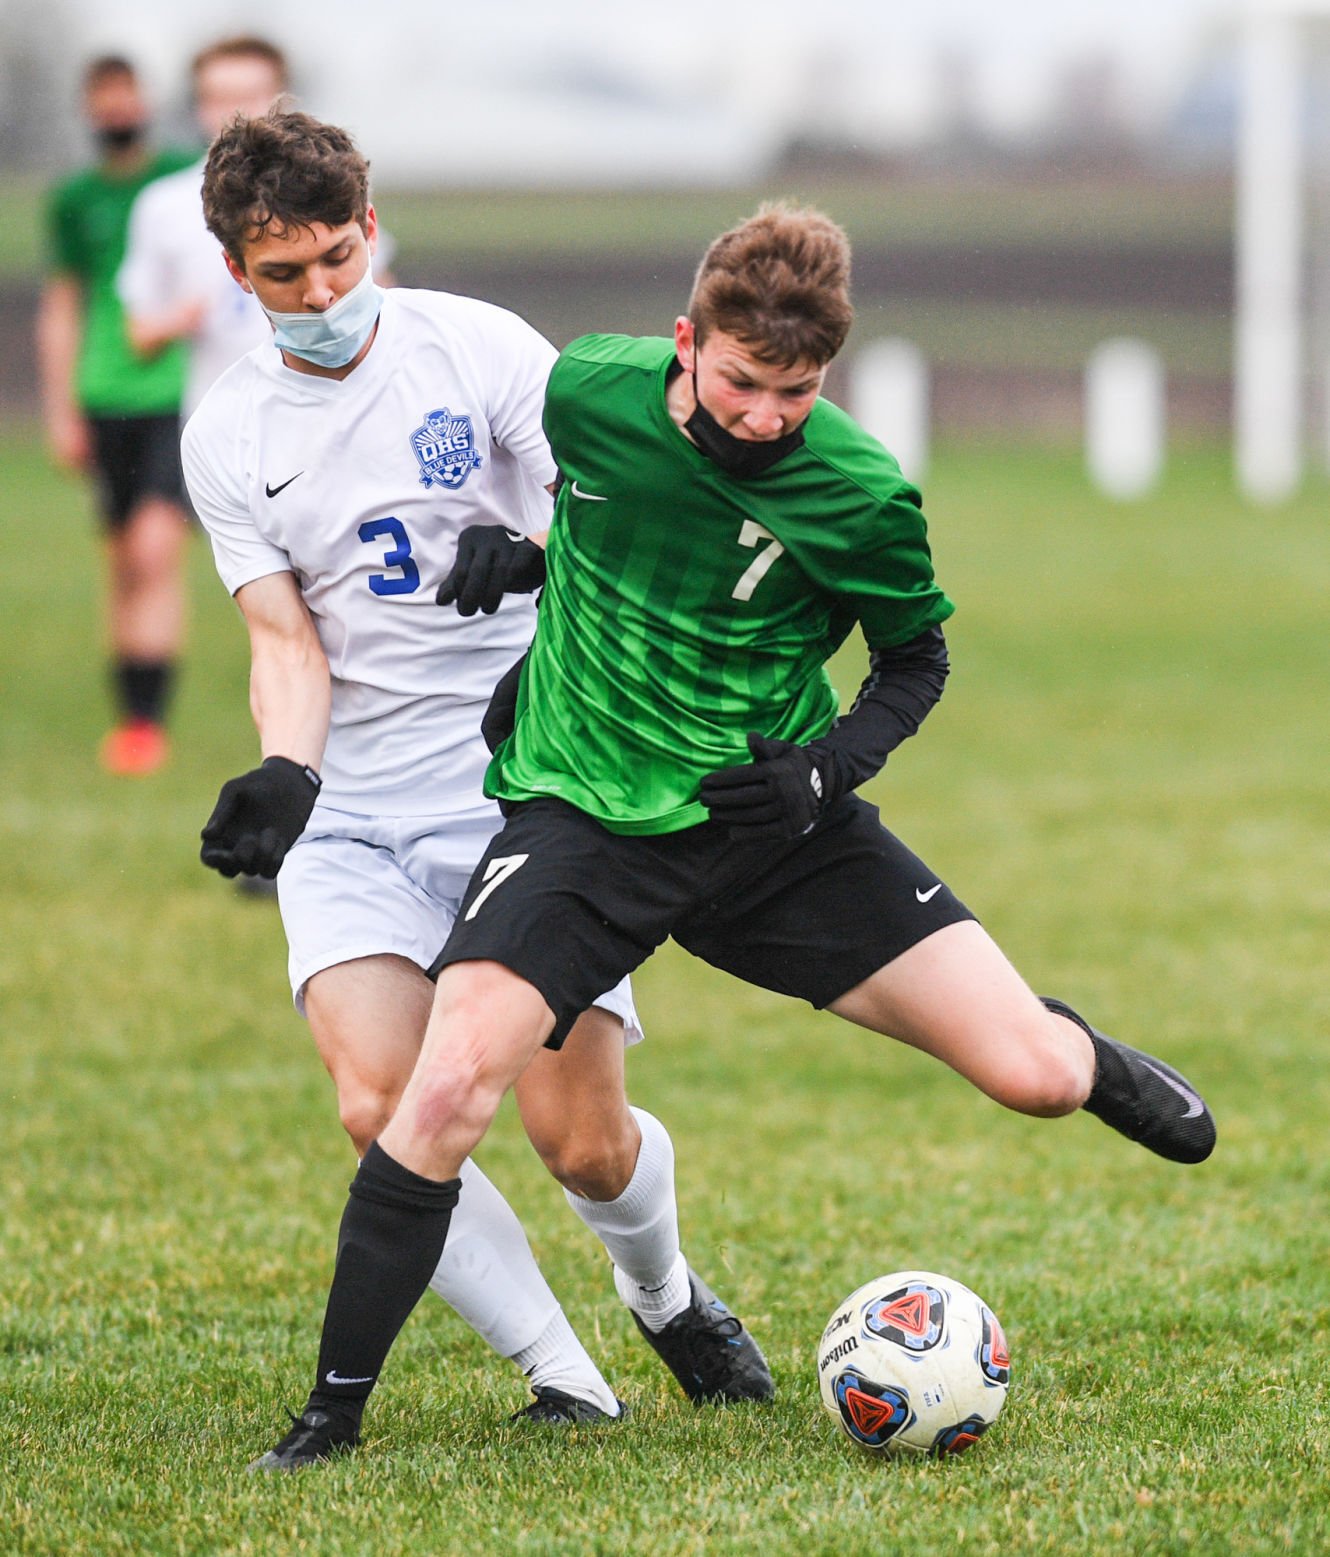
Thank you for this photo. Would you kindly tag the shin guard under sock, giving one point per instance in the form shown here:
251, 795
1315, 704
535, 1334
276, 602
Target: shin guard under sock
392, 1234
641, 1229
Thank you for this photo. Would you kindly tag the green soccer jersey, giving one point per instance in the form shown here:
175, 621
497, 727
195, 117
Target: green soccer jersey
88, 221
685, 607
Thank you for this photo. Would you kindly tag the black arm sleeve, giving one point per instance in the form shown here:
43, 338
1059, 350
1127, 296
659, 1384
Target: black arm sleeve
902, 684
501, 714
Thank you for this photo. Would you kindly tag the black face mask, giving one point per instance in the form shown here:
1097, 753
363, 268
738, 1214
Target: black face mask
120, 137
741, 457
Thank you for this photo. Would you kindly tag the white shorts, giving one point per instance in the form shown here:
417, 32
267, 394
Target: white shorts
364, 886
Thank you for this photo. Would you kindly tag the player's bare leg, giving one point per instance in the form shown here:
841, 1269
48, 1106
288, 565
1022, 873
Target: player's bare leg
616, 1164
485, 1027
575, 1112
146, 624
955, 996
387, 998
367, 1017
147, 597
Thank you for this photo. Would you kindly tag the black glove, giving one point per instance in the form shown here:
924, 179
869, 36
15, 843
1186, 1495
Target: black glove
491, 562
780, 794
258, 816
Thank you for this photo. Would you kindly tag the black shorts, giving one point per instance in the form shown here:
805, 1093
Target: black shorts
572, 907
136, 457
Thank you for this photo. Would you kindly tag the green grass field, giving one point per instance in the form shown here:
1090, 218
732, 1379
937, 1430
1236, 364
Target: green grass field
1126, 778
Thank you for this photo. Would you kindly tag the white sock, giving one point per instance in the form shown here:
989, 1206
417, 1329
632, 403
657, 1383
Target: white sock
656, 1306
490, 1277
558, 1360
641, 1230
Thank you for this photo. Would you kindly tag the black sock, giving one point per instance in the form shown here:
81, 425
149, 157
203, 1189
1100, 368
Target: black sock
1112, 1080
1143, 1098
143, 688
393, 1232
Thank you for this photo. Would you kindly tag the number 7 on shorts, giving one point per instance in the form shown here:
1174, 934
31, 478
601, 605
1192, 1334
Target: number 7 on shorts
496, 873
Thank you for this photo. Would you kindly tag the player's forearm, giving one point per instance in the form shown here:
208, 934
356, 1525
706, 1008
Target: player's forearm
59, 328
787, 786
290, 696
903, 685
150, 334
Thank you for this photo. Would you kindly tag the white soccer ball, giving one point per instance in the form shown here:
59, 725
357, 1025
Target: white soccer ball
914, 1363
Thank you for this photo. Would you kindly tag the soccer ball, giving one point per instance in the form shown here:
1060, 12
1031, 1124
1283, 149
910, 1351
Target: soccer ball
914, 1363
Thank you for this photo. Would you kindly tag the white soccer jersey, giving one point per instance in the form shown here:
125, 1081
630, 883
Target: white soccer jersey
171, 258
360, 487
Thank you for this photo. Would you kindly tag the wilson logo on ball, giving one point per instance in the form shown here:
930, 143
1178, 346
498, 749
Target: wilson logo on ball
911, 1317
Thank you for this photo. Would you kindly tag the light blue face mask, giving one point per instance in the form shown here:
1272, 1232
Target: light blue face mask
332, 338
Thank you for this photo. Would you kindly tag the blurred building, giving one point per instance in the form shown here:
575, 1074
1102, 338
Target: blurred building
595, 92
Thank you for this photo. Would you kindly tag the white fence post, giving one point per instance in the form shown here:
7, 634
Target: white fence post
1267, 369
889, 395
1125, 418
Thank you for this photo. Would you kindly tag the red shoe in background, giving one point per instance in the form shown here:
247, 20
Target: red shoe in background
136, 748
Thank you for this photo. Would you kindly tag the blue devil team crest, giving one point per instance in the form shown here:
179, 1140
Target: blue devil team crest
446, 448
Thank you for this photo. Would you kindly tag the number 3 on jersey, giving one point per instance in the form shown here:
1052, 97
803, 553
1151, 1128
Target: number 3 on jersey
396, 556
749, 535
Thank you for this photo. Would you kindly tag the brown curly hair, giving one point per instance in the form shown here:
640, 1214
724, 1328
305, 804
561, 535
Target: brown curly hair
780, 283
283, 171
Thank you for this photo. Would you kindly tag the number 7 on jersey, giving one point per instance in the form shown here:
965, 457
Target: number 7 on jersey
750, 534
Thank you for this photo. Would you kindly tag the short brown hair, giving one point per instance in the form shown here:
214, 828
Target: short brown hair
243, 46
279, 172
780, 283
107, 67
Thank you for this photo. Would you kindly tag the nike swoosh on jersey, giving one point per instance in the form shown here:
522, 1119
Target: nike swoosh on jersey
932, 892
1194, 1104
273, 491
589, 496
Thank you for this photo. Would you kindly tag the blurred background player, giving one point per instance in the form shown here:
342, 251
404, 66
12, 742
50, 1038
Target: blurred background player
173, 283
116, 416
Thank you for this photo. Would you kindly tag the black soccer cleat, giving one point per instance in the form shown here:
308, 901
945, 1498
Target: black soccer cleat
708, 1350
315, 1435
554, 1408
1144, 1099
